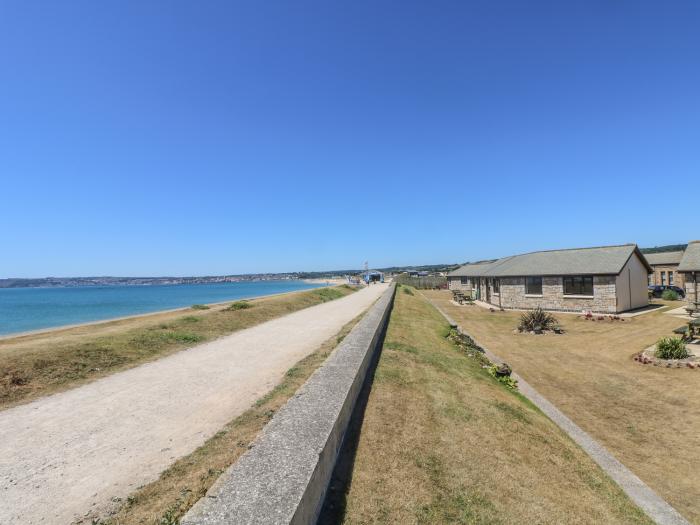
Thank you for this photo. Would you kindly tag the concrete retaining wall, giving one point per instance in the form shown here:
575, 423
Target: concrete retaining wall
284, 477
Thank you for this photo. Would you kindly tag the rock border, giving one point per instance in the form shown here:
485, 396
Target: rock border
648, 357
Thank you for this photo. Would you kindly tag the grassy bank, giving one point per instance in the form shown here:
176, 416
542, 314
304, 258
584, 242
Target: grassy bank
647, 416
443, 442
166, 500
39, 364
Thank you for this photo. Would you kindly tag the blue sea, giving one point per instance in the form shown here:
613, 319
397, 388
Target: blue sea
24, 309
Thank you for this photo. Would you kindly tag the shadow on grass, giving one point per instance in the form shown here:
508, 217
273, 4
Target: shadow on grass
334, 504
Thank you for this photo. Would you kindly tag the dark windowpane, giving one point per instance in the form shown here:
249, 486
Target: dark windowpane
568, 286
533, 285
578, 285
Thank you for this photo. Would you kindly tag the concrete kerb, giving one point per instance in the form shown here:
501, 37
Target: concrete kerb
284, 477
639, 492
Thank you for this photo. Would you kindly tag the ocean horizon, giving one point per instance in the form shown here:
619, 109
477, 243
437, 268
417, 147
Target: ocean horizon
30, 309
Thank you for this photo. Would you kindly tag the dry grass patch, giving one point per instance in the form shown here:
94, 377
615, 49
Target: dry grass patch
443, 442
648, 417
166, 500
40, 364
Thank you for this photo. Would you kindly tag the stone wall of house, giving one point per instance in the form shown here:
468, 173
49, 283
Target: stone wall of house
690, 287
512, 295
455, 283
678, 278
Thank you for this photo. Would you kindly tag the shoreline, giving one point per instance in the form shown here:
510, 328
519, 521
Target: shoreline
333, 281
43, 331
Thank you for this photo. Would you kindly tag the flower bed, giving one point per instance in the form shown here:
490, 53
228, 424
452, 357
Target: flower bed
648, 357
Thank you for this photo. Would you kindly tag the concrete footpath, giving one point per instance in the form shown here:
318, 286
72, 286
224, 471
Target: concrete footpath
70, 453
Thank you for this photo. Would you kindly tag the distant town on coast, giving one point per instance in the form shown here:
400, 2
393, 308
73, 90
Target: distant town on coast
69, 282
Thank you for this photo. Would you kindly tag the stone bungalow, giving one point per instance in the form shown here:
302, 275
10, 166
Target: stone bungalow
665, 266
608, 279
689, 267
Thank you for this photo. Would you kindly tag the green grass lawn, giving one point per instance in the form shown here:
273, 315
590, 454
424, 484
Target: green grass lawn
443, 442
647, 416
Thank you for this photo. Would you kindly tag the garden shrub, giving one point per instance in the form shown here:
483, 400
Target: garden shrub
537, 320
671, 348
507, 380
669, 295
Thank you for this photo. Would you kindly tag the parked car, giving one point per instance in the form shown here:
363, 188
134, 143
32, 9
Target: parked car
659, 289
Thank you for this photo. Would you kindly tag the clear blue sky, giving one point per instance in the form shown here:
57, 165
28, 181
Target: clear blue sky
179, 138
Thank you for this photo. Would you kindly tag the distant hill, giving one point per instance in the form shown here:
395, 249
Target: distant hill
667, 248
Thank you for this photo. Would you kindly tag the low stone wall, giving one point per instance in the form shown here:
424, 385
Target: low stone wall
284, 477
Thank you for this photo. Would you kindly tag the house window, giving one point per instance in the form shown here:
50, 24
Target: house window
578, 285
670, 278
663, 278
651, 279
533, 285
496, 286
464, 280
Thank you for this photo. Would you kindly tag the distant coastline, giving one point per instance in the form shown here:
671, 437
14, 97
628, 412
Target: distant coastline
12, 335
73, 282
312, 277
27, 309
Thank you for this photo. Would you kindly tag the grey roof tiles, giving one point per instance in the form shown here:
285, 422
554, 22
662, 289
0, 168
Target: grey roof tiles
605, 260
664, 257
691, 258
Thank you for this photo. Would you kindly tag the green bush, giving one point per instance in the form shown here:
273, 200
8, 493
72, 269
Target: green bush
507, 380
407, 291
537, 320
669, 295
199, 307
328, 294
185, 337
671, 348
239, 305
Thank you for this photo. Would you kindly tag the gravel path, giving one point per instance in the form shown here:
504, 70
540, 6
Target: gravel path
70, 453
